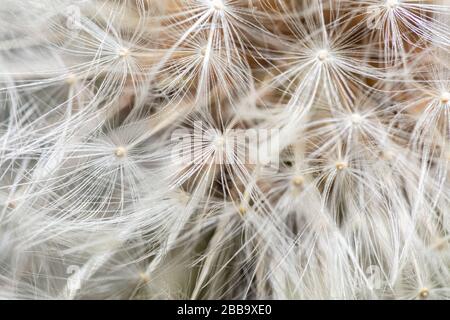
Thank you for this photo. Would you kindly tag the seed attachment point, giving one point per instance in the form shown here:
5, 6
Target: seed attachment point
123, 53
445, 97
424, 293
356, 118
71, 79
323, 55
120, 152
298, 181
341, 165
217, 5
144, 277
391, 4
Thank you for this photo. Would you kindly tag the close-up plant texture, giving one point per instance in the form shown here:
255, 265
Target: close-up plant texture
225, 149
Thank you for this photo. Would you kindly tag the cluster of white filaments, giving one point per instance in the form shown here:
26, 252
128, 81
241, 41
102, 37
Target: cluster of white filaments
225, 149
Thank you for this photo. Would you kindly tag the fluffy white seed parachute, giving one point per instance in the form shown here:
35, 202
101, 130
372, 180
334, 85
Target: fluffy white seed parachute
237, 149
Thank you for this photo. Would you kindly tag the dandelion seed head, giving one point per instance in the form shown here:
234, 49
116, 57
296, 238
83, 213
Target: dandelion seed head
356, 118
